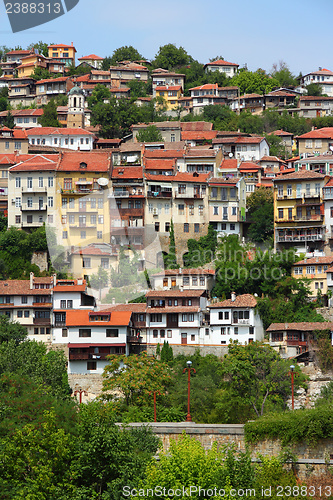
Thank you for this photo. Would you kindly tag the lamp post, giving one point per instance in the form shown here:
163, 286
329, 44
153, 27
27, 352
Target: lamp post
189, 365
292, 368
155, 392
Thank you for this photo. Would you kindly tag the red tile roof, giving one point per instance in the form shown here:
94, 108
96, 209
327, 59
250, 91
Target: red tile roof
220, 181
61, 46
91, 56
160, 164
51, 80
280, 132
94, 249
221, 62
97, 161
57, 131
168, 87
189, 177
271, 158
321, 133
22, 287
302, 174
206, 86
197, 136
303, 326
228, 163
81, 318
127, 173
36, 163
314, 260
195, 126
245, 300
136, 308
174, 293
163, 153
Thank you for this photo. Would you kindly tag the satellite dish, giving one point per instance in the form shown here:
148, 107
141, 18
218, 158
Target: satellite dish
103, 181
331, 147
230, 155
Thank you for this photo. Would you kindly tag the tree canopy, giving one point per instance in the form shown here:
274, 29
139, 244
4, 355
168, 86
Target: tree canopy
125, 53
50, 117
170, 56
149, 134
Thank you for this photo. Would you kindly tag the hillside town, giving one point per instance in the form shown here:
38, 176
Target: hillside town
111, 198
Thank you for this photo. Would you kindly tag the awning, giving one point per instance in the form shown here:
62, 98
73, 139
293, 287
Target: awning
160, 184
83, 182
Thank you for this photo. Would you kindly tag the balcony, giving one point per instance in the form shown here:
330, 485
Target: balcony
132, 339
42, 321
189, 194
32, 224
312, 218
130, 212
159, 194
299, 237
297, 343
34, 189
25, 207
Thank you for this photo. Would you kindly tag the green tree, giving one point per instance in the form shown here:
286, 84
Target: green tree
169, 56
99, 280
187, 464
138, 88
9, 120
149, 134
313, 89
11, 330
256, 374
201, 251
43, 74
115, 118
125, 53
166, 352
106, 63
260, 213
276, 146
135, 377
82, 69
98, 95
50, 117
257, 82
170, 259
42, 47
283, 75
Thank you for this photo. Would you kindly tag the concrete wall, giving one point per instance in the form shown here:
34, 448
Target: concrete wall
310, 459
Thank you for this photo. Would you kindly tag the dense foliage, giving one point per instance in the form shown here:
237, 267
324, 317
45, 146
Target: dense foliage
201, 251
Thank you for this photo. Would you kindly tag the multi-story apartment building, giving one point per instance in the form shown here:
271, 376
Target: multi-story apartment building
205, 95
315, 106
186, 279
94, 335
243, 148
328, 210
252, 174
13, 141
227, 203
299, 211
123, 73
86, 261
319, 163
234, 319
163, 77
63, 53
314, 269
32, 191
22, 92
127, 207
33, 61
51, 88
29, 302
82, 198
170, 94
175, 316
248, 102
323, 78
68, 138
13, 59
170, 131
68, 295
24, 118
93, 60
222, 66
317, 141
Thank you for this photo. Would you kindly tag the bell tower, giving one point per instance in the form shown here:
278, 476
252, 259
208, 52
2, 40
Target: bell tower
76, 100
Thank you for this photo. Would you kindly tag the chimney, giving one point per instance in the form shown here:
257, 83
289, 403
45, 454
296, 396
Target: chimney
54, 279
31, 281
181, 288
320, 69
72, 44
233, 296
317, 259
80, 281
180, 270
113, 301
126, 301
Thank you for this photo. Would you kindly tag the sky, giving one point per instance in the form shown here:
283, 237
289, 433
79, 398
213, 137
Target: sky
258, 33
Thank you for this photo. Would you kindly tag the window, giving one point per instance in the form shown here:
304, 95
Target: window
201, 208
29, 202
86, 262
220, 315
100, 203
156, 318
7, 145
50, 201
64, 332
91, 365
184, 317
29, 219
232, 227
112, 332
84, 332
191, 317
40, 182
17, 219
202, 281
223, 330
18, 145
192, 337
157, 226
181, 209
166, 208
27, 314
71, 219
68, 183
18, 182
64, 235
18, 202
186, 281
93, 220
289, 190
236, 330
215, 210
290, 213
105, 263
280, 213
155, 334
196, 228
101, 219
83, 235
162, 334
167, 227
63, 304
50, 182
169, 334
99, 235
19, 314
310, 269
165, 282
226, 315
186, 227
24, 299
191, 209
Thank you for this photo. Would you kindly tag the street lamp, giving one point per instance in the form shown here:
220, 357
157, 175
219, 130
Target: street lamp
80, 392
292, 368
189, 365
155, 392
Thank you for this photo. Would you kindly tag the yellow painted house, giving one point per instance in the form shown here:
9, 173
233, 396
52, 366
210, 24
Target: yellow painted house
299, 211
29, 63
170, 94
314, 269
82, 198
65, 53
